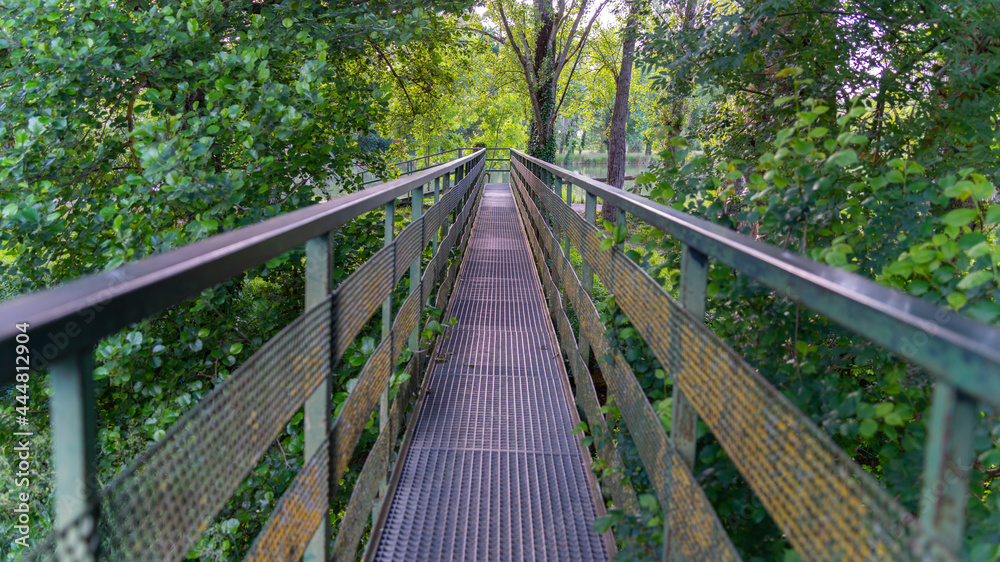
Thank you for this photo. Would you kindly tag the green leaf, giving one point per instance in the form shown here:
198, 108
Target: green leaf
900, 268
983, 190
607, 244
957, 300
9, 210
974, 279
992, 216
959, 217
842, 158
868, 428
959, 190
979, 250
783, 136
236, 348
789, 71
818, 132
602, 524
648, 501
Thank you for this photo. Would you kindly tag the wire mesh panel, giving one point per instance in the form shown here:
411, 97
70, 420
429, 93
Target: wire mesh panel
492, 470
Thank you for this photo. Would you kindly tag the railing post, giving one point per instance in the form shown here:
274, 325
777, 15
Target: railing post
74, 434
390, 221
590, 215
319, 283
451, 216
694, 279
948, 457
416, 210
683, 430
559, 190
623, 223
437, 195
383, 407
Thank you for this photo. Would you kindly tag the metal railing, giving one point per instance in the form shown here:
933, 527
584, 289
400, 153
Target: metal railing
824, 503
421, 163
158, 508
828, 507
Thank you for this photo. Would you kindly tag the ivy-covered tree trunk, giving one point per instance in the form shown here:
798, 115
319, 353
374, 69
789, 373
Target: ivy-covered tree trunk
542, 142
617, 142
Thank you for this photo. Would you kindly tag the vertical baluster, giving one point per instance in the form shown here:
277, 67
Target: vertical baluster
74, 434
437, 233
590, 215
559, 185
390, 222
622, 222
384, 406
694, 279
683, 431
416, 210
451, 216
948, 458
568, 187
319, 283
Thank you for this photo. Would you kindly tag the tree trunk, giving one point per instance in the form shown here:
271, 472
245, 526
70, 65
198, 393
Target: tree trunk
542, 143
617, 142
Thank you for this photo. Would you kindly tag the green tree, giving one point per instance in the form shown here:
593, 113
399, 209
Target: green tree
129, 129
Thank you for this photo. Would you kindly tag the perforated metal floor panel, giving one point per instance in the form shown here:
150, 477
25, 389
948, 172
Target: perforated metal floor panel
492, 471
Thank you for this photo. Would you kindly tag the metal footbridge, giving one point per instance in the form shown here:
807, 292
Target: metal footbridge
476, 456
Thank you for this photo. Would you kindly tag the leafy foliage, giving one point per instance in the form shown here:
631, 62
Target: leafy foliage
131, 129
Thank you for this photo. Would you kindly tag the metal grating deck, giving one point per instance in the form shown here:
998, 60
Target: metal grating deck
492, 471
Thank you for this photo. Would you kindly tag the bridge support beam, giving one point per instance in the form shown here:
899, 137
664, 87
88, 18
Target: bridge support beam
319, 284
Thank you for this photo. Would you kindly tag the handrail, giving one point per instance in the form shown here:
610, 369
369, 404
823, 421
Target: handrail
956, 349
109, 301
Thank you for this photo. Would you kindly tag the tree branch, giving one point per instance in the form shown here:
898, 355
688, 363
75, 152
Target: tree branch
500, 40
402, 84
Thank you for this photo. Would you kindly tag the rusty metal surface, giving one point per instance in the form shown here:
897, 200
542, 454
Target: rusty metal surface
492, 470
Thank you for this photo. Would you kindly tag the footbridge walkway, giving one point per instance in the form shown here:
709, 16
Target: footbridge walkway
476, 457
